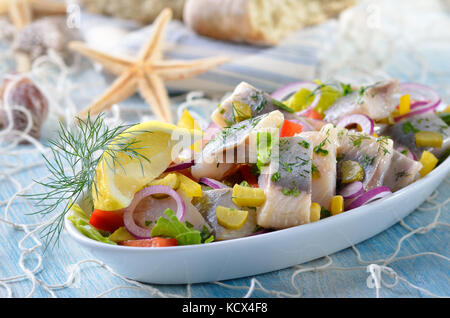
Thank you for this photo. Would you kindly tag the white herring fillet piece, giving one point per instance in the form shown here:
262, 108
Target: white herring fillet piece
324, 180
288, 190
231, 146
429, 121
376, 101
207, 206
260, 103
402, 172
373, 154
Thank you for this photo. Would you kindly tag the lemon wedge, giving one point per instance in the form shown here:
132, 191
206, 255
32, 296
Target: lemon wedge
120, 176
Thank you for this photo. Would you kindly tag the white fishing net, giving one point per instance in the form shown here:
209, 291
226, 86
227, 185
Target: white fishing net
26, 270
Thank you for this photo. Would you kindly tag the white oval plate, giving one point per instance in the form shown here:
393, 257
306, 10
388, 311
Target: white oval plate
266, 252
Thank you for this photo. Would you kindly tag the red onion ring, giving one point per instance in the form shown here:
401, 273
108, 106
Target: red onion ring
352, 190
213, 183
418, 104
286, 91
426, 99
130, 224
409, 153
180, 166
369, 196
366, 123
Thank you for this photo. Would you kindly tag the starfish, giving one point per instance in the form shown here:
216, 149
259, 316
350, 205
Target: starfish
145, 73
21, 12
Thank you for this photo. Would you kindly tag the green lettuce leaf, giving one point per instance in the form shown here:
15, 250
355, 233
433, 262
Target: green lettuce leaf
173, 228
80, 220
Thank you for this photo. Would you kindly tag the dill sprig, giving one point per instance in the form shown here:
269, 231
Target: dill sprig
75, 155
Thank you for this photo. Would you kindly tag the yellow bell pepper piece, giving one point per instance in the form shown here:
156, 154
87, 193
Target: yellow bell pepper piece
247, 196
231, 219
120, 235
429, 162
375, 135
447, 109
405, 104
189, 186
337, 204
241, 111
428, 139
171, 180
314, 215
187, 121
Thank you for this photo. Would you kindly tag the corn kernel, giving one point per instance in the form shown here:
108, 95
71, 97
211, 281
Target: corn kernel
429, 162
337, 204
428, 139
405, 104
314, 212
247, 196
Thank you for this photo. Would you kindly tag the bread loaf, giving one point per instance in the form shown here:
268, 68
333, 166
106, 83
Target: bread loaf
144, 11
257, 21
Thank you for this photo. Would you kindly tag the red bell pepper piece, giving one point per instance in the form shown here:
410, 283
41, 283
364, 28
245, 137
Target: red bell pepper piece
290, 128
108, 221
153, 242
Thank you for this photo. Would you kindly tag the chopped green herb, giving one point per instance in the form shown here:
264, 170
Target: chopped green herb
291, 192
346, 89
275, 177
357, 139
383, 142
409, 128
205, 235
319, 148
324, 213
304, 144
222, 111
262, 102
315, 171
362, 92
367, 161
244, 184
147, 223
282, 106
